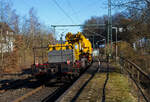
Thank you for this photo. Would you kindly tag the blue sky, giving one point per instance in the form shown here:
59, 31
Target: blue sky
50, 14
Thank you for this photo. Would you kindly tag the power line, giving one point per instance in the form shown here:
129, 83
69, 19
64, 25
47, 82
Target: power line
87, 25
63, 10
96, 34
73, 10
93, 4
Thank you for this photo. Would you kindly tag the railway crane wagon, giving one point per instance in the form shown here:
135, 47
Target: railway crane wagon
67, 59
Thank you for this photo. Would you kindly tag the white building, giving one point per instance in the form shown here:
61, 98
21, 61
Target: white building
6, 38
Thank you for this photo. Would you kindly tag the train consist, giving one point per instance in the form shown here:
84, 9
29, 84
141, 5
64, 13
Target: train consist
67, 59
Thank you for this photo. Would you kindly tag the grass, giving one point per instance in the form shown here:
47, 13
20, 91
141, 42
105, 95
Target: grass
118, 90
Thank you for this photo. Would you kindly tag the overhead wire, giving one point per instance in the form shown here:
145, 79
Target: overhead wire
69, 4
91, 5
65, 13
72, 9
97, 34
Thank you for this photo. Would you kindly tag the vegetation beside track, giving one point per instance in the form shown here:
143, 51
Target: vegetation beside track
118, 89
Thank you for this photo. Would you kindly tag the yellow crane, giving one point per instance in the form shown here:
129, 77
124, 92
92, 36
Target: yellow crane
78, 43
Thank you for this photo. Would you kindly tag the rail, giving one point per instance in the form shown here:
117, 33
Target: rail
138, 76
105, 83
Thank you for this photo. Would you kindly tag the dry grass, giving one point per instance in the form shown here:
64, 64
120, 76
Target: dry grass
118, 90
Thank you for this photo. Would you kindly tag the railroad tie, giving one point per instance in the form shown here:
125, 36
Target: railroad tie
28, 94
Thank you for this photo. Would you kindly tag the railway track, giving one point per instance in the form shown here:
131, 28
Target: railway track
34, 91
53, 96
67, 91
28, 94
45, 92
38, 94
14, 84
73, 92
17, 88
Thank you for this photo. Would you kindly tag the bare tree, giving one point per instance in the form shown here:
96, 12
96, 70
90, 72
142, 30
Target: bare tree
15, 22
28, 32
1, 50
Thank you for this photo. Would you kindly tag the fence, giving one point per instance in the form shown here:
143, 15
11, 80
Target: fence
140, 79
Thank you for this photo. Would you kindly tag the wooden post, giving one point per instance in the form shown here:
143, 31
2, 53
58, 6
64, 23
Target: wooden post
123, 68
132, 71
138, 80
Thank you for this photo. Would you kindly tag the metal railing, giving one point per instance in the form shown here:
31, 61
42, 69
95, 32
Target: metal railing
138, 76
